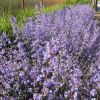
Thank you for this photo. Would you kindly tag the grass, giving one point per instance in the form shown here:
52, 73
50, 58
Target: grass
74, 2
54, 8
5, 25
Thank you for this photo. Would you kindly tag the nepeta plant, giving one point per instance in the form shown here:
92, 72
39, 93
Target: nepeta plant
55, 57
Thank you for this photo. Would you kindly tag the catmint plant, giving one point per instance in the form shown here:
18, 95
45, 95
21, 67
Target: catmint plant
56, 56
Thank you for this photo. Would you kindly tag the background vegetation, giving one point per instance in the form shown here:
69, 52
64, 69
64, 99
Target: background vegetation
10, 8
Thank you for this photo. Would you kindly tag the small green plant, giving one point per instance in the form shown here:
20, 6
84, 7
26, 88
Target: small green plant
5, 25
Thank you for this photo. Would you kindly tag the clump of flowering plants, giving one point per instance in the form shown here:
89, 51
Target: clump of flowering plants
55, 57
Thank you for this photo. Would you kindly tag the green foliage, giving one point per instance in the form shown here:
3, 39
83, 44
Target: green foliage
54, 8
5, 25
24, 14
74, 2
70, 2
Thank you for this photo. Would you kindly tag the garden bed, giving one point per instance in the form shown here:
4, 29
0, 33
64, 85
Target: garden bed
55, 56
